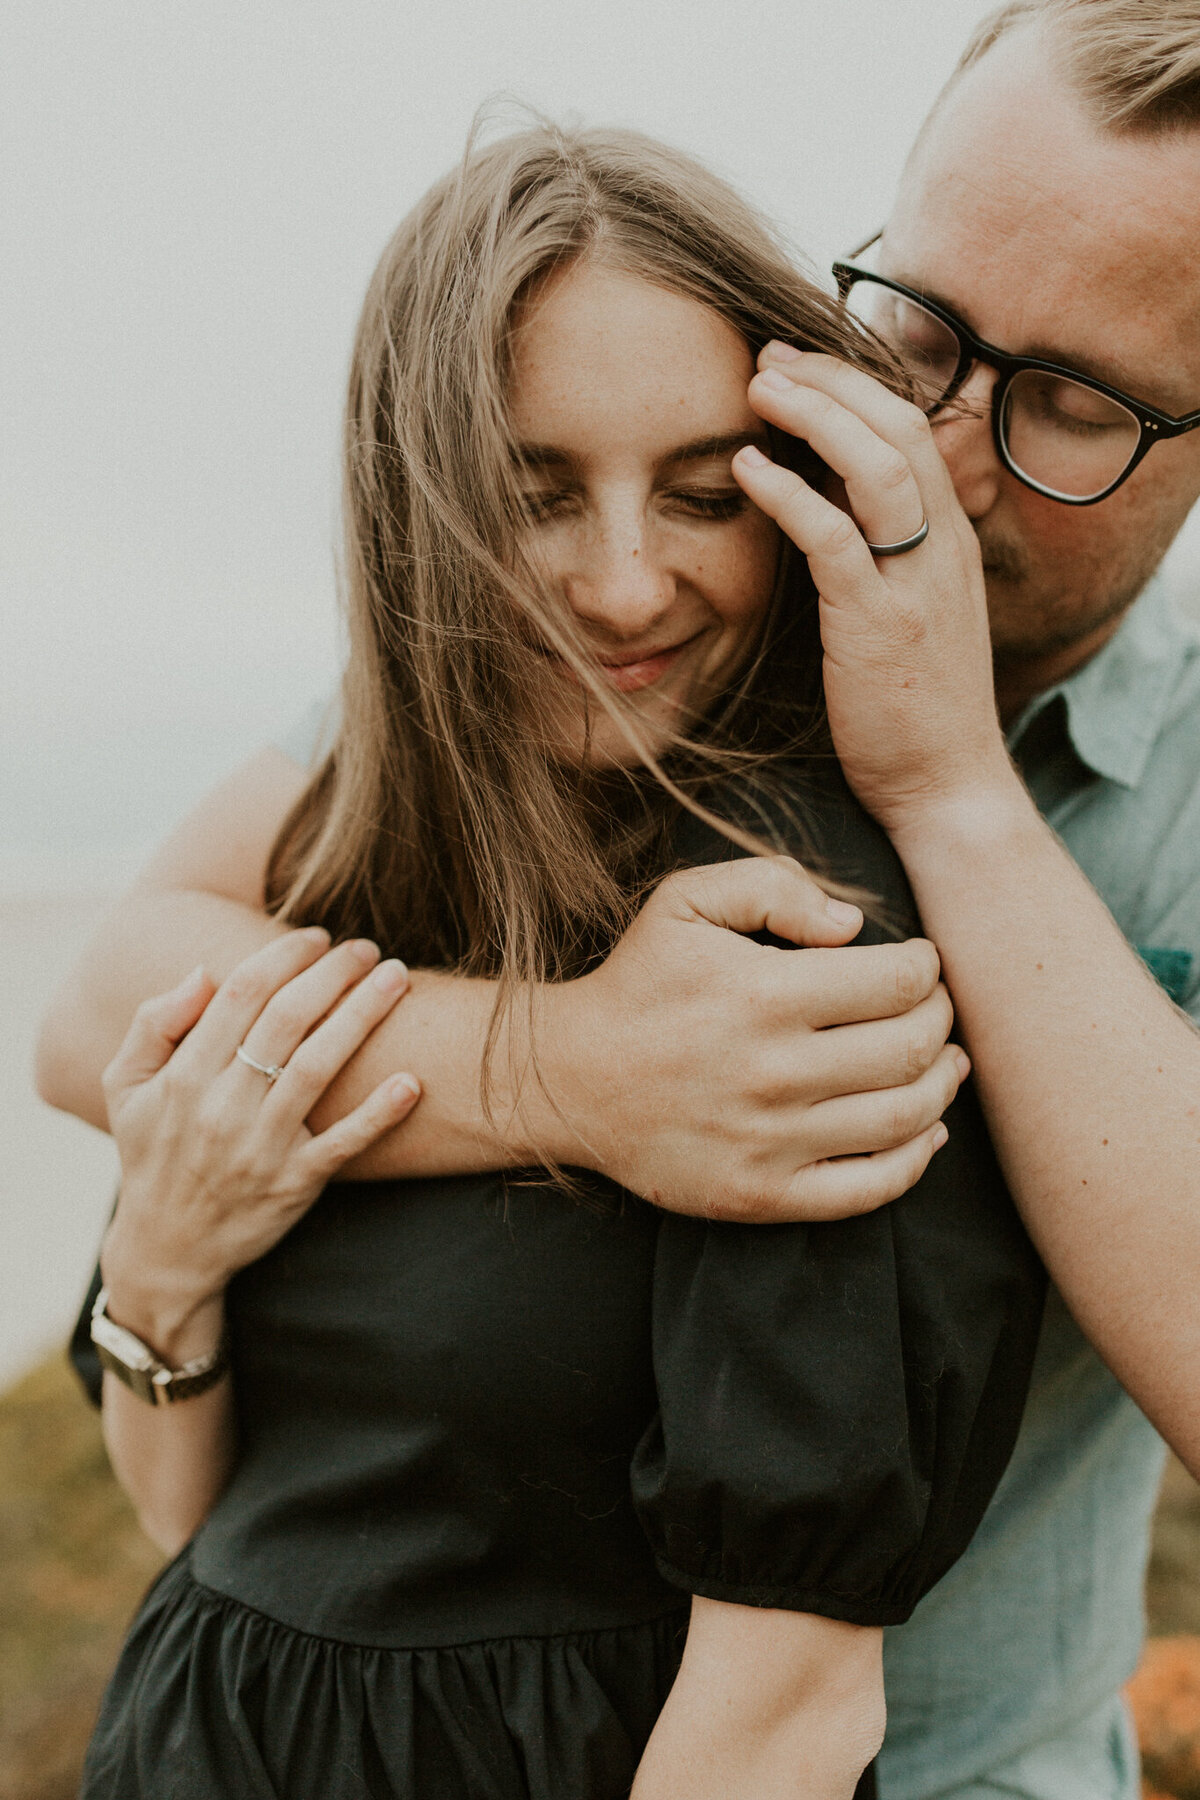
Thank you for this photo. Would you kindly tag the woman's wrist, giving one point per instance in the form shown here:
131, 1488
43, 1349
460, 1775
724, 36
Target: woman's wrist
176, 1316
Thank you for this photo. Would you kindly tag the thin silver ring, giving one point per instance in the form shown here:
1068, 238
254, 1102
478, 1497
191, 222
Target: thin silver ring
272, 1071
908, 543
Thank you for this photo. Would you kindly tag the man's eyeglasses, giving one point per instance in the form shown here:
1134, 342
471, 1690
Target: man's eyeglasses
1063, 434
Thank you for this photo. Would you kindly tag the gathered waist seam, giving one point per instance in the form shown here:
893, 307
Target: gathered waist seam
528, 1637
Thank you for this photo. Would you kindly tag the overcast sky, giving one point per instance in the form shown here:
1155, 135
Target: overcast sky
195, 197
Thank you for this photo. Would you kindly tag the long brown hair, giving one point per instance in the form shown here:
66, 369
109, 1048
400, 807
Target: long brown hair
439, 824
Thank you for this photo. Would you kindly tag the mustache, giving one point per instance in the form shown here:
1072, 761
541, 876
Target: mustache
1002, 558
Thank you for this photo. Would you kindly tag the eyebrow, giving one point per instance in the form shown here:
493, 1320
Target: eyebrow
703, 449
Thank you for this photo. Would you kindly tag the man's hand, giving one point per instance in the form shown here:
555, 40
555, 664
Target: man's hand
908, 665
715, 1075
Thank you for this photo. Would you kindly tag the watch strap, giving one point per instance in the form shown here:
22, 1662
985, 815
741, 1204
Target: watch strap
124, 1355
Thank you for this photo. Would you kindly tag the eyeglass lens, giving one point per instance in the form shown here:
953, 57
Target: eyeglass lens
1064, 437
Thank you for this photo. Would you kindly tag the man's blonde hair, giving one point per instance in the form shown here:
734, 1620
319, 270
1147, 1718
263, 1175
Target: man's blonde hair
1136, 63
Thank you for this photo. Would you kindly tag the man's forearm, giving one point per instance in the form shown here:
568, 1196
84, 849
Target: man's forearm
1091, 1081
156, 936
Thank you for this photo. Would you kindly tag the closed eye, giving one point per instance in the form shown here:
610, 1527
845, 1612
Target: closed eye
549, 504
705, 504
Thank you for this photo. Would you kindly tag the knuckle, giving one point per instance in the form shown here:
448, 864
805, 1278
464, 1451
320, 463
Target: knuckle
288, 1013
247, 984
919, 1053
149, 1011
893, 472
908, 624
900, 1124
839, 536
306, 1067
913, 425
917, 971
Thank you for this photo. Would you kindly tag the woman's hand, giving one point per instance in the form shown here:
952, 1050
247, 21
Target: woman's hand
217, 1163
908, 667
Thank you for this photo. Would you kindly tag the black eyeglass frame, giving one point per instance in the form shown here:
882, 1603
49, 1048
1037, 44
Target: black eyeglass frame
1153, 426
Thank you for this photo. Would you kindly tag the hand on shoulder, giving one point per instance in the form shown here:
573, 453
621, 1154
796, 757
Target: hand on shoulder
714, 1075
207, 1099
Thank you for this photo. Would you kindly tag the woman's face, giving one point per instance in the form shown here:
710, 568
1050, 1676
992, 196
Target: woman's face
628, 402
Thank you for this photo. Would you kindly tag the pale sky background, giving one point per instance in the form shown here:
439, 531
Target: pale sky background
194, 197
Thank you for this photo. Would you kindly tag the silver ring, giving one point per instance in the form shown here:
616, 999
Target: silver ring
909, 543
272, 1071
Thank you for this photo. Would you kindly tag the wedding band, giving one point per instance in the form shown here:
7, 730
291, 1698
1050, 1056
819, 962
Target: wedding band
909, 543
272, 1071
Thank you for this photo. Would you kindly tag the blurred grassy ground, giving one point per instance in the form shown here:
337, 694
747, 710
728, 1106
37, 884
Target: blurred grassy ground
73, 1566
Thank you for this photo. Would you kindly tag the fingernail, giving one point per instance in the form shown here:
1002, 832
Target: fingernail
841, 911
751, 454
781, 352
364, 951
940, 1134
964, 1063
776, 381
404, 1087
316, 934
390, 977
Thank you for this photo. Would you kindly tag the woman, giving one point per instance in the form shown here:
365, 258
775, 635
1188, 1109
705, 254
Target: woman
499, 1443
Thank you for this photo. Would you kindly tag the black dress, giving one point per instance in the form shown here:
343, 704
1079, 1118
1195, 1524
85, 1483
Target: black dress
494, 1437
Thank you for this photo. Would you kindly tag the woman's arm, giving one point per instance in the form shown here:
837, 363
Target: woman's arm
767, 1705
832, 1075
217, 1164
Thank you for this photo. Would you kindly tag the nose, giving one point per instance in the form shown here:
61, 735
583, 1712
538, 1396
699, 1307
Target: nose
622, 583
964, 437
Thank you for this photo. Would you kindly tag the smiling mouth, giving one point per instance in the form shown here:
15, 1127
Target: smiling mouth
629, 674
645, 670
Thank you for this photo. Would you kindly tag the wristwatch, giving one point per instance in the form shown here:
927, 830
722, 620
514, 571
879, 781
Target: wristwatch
134, 1363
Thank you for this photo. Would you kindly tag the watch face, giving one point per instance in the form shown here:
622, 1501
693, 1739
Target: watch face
134, 1363
122, 1344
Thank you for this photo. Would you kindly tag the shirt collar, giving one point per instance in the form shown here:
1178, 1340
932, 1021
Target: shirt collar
1115, 704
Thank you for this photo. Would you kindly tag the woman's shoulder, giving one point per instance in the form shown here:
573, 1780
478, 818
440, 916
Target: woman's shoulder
804, 807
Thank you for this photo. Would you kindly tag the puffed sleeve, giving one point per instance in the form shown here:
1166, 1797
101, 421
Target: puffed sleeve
837, 1402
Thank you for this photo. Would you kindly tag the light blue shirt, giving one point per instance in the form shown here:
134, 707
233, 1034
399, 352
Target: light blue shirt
1010, 1660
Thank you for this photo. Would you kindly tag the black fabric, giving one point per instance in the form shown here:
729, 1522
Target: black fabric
82, 1351
492, 1437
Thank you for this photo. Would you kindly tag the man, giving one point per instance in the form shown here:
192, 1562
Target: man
1049, 207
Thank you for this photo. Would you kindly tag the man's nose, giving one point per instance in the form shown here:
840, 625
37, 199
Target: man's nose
964, 436
622, 585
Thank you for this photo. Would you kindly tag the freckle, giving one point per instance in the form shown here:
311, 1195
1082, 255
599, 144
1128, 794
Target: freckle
1104, 1140
1039, 967
1085, 1184
635, 553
